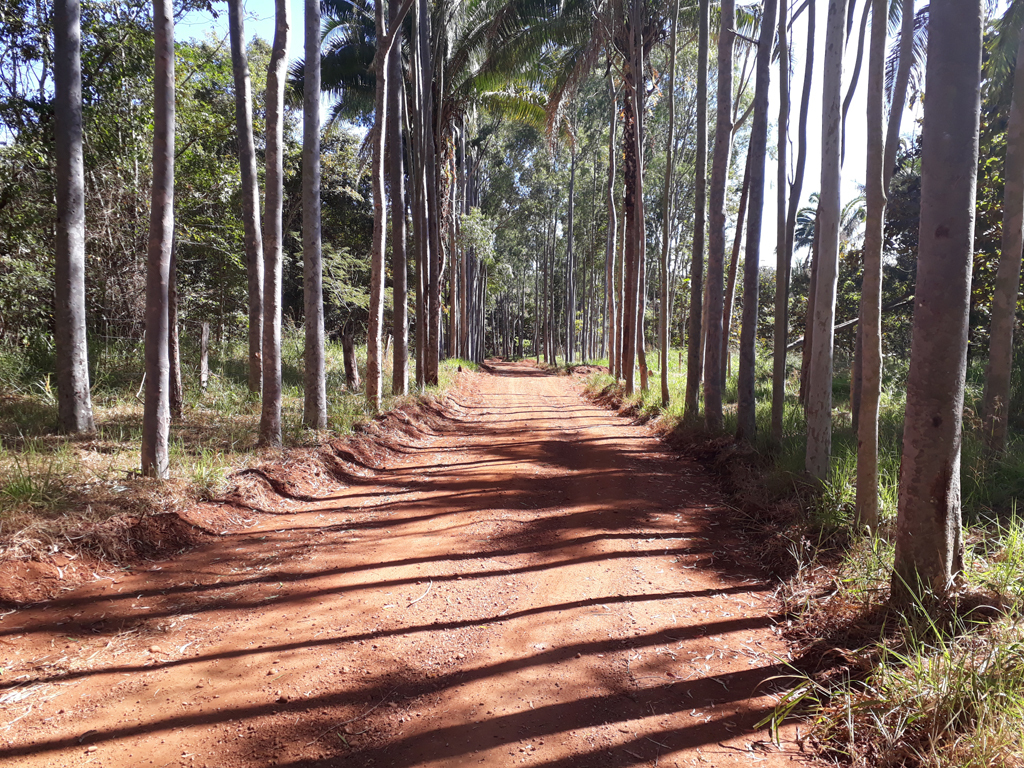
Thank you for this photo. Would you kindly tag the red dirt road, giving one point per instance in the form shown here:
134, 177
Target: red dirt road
536, 582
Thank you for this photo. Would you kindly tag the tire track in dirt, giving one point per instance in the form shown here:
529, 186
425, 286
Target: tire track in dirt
538, 582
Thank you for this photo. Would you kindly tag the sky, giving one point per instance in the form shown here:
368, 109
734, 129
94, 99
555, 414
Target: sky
259, 20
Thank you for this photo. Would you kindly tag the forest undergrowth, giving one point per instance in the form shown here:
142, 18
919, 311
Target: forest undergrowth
61, 493
933, 685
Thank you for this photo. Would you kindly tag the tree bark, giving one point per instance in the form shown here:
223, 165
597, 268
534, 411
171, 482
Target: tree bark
399, 259
734, 260
173, 341
74, 403
782, 255
156, 416
250, 191
374, 360
314, 413
666, 309
716, 242
929, 549
869, 330
746, 428
819, 390
570, 266
348, 351
996, 407
270, 418
609, 261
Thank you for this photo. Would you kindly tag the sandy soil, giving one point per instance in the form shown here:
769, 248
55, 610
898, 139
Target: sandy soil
537, 581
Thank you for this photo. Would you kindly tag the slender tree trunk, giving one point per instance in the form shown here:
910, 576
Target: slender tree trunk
250, 191
74, 404
819, 392
314, 414
783, 257
156, 416
173, 342
399, 259
666, 309
734, 259
374, 360
716, 243
855, 76
270, 419
747, 405
609, 269
805, 361
929, 548
693, 350
996, 406
869, 328
570, 267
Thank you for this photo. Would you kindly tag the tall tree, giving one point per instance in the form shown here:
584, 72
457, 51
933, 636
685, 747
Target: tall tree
156, 415
783, 258
270, 418
747, 406
666, 309
871, 289
396, 170
74, 404
250, 191
996, 406
819, 389
929, 549
693, 349
612, 310
314, 412
716, 241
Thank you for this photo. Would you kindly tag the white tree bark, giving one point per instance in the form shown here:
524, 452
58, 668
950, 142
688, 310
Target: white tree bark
783, 257
74, 404
819, 385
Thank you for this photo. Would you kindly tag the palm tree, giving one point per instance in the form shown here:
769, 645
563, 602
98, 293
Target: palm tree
928, 530
156, 416
74, 404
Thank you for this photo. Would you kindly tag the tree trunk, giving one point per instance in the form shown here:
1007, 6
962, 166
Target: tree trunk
611, 304
693, 349
819, 390
173, 341
399, 260
250, 191
204, 357
156, 416
314, 413
869, 329
74, 404
666, 309
374, 360
782, 255
929, 549
734, 259
996, 406
348, 351
805, 361
570, 266
716, 242
270, 418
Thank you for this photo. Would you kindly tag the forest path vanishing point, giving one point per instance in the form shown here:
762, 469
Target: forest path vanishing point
539, 583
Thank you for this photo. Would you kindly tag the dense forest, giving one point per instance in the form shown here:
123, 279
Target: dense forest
208, 250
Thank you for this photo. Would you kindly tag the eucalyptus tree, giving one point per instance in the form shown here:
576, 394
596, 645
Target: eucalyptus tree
314, 412
716, 240
270, 417
783, 258
666, 309
156, 415
747, 406
929, 545
74, 404
250, 191
819, 393
996, 403
396, 171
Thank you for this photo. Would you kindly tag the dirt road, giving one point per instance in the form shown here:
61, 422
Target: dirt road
536, 582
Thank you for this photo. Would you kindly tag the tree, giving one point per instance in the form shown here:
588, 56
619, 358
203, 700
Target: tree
74, 405
928, 533
399, 266
783, 256
996, 403
716, 242
666, 309
612, 309
156, 417
870, 326
819, 391
747, 406
270, 419
693, 351
250, 191
314, 414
